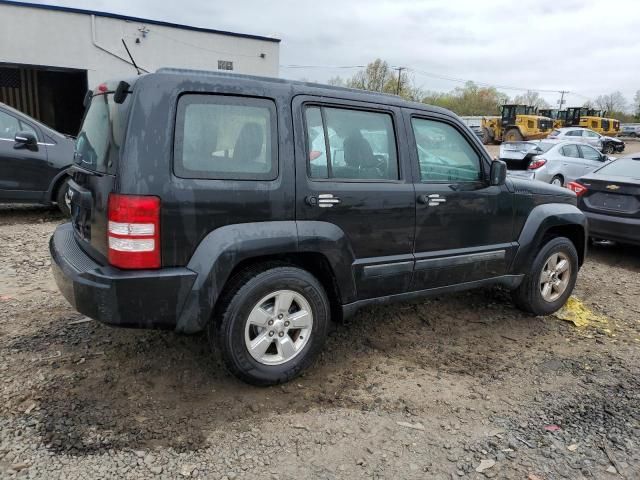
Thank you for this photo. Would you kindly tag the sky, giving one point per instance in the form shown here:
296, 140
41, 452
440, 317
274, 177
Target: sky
587, 47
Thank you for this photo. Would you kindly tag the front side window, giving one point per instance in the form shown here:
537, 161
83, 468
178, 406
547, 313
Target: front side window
571, 151
225, 138
590, 134
574, 133
350, 144
444, 155
9, 126
589, 153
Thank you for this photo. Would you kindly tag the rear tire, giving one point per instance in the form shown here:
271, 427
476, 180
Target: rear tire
513, 135
61, 199
557, 180
255, 333
533, 295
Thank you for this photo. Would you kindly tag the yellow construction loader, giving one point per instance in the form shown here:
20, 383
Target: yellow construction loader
559, 117
516, 123
595, 120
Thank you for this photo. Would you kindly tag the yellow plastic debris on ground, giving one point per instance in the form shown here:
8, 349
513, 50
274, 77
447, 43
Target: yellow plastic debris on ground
576, 312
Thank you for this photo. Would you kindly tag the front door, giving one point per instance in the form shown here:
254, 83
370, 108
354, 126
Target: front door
353, 179
463, 225
23, 170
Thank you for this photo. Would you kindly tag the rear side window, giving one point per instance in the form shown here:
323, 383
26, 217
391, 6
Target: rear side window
350, 144
574, 133
444, 155
571, 151
222, 137
101, 135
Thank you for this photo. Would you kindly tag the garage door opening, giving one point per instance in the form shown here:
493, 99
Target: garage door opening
53, 96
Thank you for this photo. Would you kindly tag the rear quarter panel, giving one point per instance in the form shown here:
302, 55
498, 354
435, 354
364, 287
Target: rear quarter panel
192, 208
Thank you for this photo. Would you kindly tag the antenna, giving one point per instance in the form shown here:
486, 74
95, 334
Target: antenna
130, 56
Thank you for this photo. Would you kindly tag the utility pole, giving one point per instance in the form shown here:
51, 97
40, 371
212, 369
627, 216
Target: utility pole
400, 69
562, 94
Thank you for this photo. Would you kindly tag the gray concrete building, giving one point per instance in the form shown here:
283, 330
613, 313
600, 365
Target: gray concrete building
50, 56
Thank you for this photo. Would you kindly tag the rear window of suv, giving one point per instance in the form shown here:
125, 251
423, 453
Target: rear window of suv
224, 137
100, 138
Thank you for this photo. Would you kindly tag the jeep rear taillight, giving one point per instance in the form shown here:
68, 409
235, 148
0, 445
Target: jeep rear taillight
134, 231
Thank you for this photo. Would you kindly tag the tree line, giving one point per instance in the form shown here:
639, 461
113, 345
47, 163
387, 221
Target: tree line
470, 99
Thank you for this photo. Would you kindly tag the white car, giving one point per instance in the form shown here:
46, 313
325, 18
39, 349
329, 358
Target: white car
584, 135
550, 161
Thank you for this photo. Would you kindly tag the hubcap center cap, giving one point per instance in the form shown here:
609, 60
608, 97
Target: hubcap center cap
278, 326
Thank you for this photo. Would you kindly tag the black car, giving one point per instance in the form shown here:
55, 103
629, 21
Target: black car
610, 198
33, 160
261, 209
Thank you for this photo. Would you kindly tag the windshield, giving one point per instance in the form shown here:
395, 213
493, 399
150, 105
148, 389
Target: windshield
98, 143
623, 167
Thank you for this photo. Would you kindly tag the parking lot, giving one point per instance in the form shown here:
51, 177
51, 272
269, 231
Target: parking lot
459, 386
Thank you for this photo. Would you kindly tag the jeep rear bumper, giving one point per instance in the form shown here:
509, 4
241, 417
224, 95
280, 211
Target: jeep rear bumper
143, 298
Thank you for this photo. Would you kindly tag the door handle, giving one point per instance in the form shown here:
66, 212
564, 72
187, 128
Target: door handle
431, 200
323, 200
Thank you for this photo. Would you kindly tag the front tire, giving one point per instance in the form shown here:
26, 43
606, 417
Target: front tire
607, 149
551, 278
273, 323
513, 135
61, 198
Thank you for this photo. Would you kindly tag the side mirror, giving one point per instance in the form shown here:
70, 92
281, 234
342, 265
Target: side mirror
498, 173
25, 139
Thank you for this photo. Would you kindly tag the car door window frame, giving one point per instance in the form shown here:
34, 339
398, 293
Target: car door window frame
413, 147
347, 105
577, 147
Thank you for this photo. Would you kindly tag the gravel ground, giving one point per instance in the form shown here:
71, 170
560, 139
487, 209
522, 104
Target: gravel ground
459, 386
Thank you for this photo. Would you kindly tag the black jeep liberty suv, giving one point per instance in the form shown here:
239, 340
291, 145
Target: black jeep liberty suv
260, 209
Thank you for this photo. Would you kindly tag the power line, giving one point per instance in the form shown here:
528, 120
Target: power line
479, 83
434, 75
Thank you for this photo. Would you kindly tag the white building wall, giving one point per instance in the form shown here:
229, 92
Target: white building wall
73, 40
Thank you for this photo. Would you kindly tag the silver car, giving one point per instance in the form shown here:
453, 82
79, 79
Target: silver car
584, 135
551, 161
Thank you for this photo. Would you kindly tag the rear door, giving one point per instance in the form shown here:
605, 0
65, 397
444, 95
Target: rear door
352, 173
463, 225
24, 172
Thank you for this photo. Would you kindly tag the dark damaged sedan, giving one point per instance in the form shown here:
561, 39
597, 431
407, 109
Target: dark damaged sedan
610, 198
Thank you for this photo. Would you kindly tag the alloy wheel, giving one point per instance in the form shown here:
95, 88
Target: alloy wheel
555, 276
278, 327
